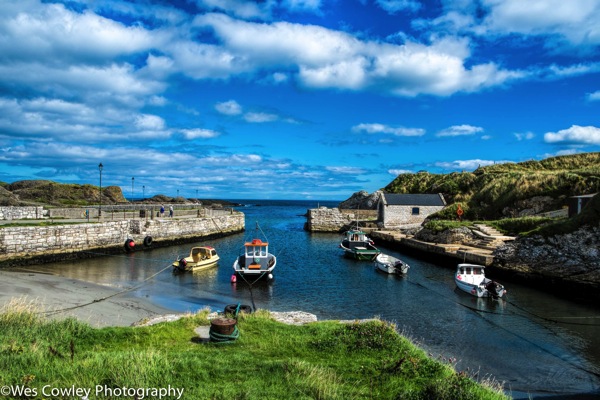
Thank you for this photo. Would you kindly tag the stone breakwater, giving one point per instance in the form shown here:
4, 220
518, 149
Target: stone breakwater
36, 244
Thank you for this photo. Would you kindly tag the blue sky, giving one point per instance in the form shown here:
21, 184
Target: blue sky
291, 99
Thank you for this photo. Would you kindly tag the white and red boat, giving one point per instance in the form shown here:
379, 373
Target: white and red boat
471, 278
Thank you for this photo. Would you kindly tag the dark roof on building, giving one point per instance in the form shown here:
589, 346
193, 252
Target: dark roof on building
414, 199
584, 196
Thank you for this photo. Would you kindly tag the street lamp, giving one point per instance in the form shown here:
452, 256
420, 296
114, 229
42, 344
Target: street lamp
132, 179
100, 166
144, 192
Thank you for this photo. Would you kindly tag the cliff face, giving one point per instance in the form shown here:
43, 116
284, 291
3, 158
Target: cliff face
571, 260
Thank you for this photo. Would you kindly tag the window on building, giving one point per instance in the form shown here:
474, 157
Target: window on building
415, 211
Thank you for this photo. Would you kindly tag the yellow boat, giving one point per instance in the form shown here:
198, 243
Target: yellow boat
201, 257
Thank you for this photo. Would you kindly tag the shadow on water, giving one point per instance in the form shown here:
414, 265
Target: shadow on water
537, 345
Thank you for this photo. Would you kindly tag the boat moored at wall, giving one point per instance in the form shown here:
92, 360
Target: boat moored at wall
356, 244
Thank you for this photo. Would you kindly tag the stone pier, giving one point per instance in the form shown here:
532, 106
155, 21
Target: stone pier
38, 244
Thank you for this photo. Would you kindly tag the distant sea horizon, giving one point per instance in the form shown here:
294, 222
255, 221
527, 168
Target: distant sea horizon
245, 201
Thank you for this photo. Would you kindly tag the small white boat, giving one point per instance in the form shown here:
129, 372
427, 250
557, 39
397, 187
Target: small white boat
255, 261
471, 278
391, 265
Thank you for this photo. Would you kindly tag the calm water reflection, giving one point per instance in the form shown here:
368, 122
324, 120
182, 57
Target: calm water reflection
535, 343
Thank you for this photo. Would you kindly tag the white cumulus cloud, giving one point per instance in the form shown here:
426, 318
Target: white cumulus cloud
345, 170
199, 133
460, 130
230, 107
382, 128
397, 172
595, 96
524, 135
394, 6
575, 135
258, 117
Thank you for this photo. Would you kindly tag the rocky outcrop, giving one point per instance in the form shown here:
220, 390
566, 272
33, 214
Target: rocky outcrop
462, 235
570, 261
531, 206
7, 198
362, 200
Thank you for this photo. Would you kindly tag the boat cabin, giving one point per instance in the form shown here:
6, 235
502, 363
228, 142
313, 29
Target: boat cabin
202, 253
256, 253
473, 274
353, 236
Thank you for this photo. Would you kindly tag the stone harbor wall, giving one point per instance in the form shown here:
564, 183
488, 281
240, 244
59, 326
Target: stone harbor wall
23, 245
10, 213
335, 220
109, 212
168, 228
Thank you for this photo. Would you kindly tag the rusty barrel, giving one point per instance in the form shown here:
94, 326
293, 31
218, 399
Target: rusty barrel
223, 326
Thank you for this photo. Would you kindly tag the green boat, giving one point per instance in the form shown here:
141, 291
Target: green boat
356, 244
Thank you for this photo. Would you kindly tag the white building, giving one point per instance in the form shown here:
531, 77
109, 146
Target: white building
399, 210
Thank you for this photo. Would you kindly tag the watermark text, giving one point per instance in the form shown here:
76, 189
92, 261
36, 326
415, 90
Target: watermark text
88, 393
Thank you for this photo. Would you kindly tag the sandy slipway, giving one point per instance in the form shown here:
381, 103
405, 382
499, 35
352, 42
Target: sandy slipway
59, 297
100, 306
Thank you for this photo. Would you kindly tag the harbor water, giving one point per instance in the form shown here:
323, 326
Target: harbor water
537, 345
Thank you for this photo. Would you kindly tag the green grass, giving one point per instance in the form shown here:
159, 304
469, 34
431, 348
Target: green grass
507, 226
270, 360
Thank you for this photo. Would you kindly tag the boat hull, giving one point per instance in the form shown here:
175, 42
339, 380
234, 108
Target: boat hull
391, 265
264, 269
362, 255
198, 262
474, 290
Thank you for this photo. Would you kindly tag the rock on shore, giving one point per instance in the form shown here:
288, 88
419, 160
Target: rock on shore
571, 259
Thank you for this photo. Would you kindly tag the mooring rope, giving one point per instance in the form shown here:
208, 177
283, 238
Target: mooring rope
534, 344
53, 312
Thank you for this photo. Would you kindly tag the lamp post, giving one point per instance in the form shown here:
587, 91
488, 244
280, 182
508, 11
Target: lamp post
132, 179
100, 166
143, 192
196, 195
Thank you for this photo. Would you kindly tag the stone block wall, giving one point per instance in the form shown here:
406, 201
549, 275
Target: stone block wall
398, 216
168, 228
34, 241
22, 241
335, 220
10, 213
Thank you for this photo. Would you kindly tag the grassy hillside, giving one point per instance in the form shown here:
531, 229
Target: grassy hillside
42, 192
503, 190
48, 193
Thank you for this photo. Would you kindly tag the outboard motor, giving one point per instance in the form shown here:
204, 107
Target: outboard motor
494, 288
